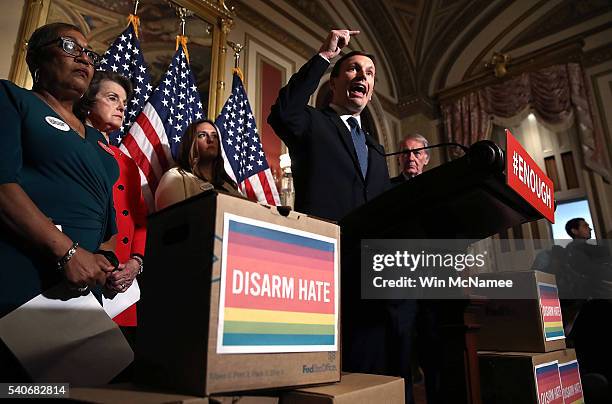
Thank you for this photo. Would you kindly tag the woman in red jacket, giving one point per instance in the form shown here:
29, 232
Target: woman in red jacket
102, 107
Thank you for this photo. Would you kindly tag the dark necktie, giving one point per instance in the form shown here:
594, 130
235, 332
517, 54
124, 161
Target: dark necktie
360, 144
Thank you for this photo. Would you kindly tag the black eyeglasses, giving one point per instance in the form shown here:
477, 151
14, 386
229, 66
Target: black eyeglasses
72, 48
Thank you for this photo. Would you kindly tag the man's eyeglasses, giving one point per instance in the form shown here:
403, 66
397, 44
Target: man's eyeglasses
72, 48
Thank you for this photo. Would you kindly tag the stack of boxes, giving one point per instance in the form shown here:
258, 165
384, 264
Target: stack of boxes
522, 352
355, 388
240, 297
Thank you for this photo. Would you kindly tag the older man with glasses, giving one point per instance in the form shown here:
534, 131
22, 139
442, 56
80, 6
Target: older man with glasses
412, 162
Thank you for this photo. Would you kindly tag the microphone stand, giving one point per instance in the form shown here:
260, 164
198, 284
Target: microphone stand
481, 155
406, 151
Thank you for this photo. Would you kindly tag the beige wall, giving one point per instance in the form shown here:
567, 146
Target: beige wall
10, 17
600, 77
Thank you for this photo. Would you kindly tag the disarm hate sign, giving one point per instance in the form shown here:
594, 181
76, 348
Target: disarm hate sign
279, 289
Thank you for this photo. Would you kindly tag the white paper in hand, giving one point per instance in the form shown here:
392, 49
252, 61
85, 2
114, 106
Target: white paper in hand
117, 303
59, 337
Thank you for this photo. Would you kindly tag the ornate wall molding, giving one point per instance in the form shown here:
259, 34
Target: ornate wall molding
597, 56
402, 68
483, 19
316, 12
561, 52
411, 106
477, 64
262, 23
35, 15
566, 14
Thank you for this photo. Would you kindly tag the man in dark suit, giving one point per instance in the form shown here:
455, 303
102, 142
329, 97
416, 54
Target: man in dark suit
420, 317
336, 165
412, 163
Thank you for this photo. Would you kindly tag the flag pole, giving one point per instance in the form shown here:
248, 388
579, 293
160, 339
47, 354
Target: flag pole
182, 17
237, 49
181, 40
182, 13
136, 7
247, 163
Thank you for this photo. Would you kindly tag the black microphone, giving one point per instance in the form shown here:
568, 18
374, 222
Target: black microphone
433, 146
403, 151
483, 154
486, 155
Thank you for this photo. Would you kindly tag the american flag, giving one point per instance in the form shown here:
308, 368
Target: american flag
244, 158
153, 140
125, 57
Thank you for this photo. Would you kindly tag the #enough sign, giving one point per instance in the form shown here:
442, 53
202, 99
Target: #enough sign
525, 177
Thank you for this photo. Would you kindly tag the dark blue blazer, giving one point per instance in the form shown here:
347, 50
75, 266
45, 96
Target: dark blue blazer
328, 180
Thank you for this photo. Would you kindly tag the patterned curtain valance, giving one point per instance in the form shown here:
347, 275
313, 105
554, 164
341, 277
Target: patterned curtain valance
557, 95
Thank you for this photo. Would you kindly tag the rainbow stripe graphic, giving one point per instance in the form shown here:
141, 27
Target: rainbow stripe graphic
548, 383
278, 289
551, 311
570, 381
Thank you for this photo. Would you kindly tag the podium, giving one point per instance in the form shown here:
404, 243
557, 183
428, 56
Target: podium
464, 199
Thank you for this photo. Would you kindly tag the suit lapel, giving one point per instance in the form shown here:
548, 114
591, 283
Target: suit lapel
345, 136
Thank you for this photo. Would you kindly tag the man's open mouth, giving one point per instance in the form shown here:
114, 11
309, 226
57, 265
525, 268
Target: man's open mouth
357, 90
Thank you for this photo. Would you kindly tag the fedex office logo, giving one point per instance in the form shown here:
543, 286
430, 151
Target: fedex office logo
317, 368
529, 177
528, 180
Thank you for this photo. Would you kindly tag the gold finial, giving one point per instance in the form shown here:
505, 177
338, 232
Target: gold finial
499, 62
182, 13
237, 49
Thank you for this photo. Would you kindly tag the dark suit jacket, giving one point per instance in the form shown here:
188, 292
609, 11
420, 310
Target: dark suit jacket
328, 180
400, 179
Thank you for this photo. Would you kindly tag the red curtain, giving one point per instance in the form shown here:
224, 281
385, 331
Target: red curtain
556, 95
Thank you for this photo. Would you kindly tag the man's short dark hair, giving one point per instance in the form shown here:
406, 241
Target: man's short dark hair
573, 224
336, 69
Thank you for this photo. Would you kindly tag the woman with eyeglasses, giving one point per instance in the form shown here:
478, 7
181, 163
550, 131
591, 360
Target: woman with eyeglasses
56, 175
103, 107
199, 167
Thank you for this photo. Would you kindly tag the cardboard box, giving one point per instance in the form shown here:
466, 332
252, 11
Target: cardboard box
354, 388
251, 399
265, 283
520, 377
523, 325
128, 393
569, 372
